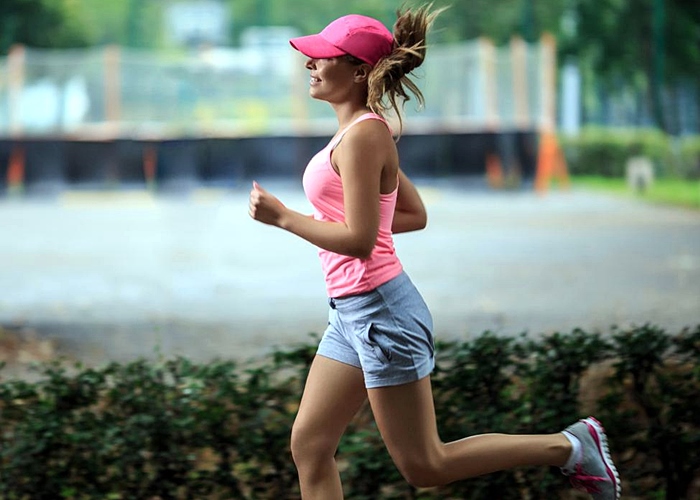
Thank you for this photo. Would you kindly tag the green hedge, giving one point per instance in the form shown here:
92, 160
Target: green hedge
689, 150
604, 152
175, 429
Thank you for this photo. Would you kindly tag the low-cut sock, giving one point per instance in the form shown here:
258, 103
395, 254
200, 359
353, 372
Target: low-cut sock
575, 456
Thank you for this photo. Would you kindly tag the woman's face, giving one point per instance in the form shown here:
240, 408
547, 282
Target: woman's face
332, 80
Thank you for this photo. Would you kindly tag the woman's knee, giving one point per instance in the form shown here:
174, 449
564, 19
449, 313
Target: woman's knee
420, 471
308, 445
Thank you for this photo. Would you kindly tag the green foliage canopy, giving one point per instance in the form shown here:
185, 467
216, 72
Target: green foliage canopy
616, 36
641, 45
42, 23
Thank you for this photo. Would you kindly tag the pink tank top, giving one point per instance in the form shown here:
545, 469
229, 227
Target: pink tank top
323, 187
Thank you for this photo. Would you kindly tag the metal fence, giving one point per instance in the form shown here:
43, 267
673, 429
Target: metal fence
628, 105
117, 92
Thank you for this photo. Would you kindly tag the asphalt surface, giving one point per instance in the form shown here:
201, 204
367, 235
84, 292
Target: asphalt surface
119, 275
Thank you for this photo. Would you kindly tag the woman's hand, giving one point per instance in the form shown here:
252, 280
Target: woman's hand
264, 207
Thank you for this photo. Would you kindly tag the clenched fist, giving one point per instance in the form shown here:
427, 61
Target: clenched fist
265, 207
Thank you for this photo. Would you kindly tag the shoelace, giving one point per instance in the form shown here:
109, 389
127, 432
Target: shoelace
586, 483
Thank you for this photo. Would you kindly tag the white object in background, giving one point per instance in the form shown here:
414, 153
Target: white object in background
640, 173
570, 99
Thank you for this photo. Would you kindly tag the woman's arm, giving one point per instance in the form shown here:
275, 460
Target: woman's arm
410, 214
359, 158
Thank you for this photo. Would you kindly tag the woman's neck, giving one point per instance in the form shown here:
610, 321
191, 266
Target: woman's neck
348, 113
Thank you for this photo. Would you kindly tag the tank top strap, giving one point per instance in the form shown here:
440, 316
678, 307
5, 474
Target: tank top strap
366, 116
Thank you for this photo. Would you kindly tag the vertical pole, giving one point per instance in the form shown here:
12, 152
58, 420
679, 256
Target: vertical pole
550, 160
518, 53
16, 61
299, 96
548, 86
659, 62
112, 85
521, 105
487, 56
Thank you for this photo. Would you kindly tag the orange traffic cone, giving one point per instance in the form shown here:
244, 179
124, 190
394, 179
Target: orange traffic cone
494, 171
550, 163
15, 170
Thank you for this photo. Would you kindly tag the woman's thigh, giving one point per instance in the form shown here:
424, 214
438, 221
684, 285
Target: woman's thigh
405, 416
333, 394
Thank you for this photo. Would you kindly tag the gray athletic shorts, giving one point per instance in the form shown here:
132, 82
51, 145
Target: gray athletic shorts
387, 332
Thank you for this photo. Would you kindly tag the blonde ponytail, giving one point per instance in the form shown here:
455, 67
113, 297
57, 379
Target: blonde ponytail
389, 79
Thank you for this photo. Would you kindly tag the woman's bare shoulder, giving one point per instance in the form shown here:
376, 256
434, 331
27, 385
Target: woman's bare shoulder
370, 133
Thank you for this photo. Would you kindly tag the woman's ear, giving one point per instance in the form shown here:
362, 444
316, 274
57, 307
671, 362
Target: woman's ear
362, 72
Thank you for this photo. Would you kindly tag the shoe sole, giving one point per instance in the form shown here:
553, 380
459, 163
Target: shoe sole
597, 432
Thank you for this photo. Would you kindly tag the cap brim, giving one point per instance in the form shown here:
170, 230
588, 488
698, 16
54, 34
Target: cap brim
316, 47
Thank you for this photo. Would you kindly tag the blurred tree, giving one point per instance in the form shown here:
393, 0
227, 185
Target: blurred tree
643, 43
640, 44
42, 23
308, 16
131, 23
497, 19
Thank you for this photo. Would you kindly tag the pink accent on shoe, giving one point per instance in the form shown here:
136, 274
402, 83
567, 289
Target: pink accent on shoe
595, 472
603, 453
585, 483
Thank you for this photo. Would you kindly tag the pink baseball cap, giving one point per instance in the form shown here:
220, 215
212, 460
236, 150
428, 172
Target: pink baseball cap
359, 36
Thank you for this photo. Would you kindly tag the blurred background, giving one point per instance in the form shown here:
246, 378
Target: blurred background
558, 153
127, 67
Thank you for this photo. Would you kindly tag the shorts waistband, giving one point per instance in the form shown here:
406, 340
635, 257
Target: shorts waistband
395, 282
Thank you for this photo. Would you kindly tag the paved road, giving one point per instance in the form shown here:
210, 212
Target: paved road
113, 276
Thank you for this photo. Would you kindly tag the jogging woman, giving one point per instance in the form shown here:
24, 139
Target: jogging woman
379, 342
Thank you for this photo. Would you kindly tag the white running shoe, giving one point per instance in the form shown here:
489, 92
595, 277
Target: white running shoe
594, 471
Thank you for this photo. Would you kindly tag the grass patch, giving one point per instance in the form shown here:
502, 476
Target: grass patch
677, 192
